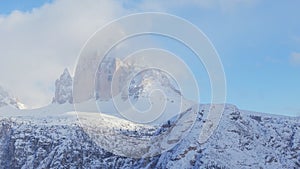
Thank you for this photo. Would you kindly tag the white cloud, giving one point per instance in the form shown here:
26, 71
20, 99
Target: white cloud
36, 46
295, 59
224, 5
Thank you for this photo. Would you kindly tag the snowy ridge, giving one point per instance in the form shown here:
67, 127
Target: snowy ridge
146, 81
242, 140
7, 100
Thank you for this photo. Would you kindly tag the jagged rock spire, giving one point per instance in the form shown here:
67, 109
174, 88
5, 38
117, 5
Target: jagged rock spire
63, 89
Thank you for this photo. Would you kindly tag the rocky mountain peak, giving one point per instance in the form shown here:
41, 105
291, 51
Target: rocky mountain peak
63, 88
146, 81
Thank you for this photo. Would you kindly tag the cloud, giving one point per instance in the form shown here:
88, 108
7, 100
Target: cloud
295, 59
223, 5
36, 46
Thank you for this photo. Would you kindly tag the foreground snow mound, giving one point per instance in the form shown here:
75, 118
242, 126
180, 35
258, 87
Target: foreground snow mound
242, 140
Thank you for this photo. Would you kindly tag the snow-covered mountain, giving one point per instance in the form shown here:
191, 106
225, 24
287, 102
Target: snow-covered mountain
137, 89
6, 99
153, 79
63, 89
243, 139
57, 136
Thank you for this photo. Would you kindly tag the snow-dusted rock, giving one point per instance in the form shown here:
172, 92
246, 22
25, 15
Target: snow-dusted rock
153, 79
6, 99
242, 140
63, 89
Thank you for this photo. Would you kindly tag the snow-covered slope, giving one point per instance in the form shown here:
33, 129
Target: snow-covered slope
57, 140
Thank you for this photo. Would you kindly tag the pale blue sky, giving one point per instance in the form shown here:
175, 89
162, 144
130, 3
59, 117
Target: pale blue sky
7, 6
258, 43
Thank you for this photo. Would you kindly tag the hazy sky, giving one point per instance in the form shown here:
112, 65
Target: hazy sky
258, 42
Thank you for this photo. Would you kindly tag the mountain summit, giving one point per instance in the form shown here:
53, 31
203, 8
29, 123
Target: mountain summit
147, 81
63, 89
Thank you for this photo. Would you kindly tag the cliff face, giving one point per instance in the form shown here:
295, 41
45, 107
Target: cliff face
63, 89
242, 140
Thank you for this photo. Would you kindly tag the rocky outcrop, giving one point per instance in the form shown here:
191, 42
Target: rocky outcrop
63, 89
